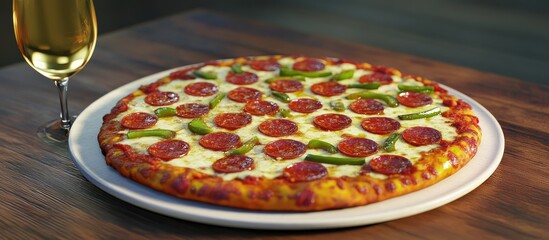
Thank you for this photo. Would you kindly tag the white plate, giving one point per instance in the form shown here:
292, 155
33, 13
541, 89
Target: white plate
87, 157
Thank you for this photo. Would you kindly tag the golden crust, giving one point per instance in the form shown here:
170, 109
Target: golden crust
279, 194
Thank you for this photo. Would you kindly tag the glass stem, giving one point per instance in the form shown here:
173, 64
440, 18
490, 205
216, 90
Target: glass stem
62, 86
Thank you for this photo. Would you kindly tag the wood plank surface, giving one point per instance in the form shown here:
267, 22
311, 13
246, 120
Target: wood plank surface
505, 37
44, 196
499, 36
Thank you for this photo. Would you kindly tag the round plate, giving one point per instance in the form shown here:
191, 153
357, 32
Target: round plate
87, 156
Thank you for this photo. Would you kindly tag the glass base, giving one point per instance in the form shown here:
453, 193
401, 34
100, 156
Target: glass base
53, 133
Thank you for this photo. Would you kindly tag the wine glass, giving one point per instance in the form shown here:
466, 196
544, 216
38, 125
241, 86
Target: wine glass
57, 38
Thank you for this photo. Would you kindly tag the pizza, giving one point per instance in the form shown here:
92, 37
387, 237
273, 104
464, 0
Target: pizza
289, 133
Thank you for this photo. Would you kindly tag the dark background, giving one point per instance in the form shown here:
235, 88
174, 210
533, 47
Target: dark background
507, 37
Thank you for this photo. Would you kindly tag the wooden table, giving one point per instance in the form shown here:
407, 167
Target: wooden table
43, 195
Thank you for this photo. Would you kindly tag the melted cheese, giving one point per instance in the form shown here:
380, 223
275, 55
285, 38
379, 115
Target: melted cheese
202, 159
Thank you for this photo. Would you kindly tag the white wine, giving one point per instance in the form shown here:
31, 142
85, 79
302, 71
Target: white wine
56, 37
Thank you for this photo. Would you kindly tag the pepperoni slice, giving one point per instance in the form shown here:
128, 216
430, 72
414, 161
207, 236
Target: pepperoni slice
161, 98
304, 105
382, 78
286, 86
332, 122
243, 78
366, 106
357, 147
365, 169
414, 99
309, 65
278, 127
419, 136
244, 94
285, 149
304, 172
192, 110
233, 163
183, 73
201, 89
139, 120
391, 164
328, 89
380, 125
265, 65
232, 121
260, 107
220, 141
169, 149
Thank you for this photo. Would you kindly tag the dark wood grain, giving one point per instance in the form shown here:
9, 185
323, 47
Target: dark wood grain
42, 194
505, 37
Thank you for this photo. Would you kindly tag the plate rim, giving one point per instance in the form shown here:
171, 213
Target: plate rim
144, 197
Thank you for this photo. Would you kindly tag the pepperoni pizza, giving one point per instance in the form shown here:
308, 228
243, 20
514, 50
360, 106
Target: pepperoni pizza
289, 133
